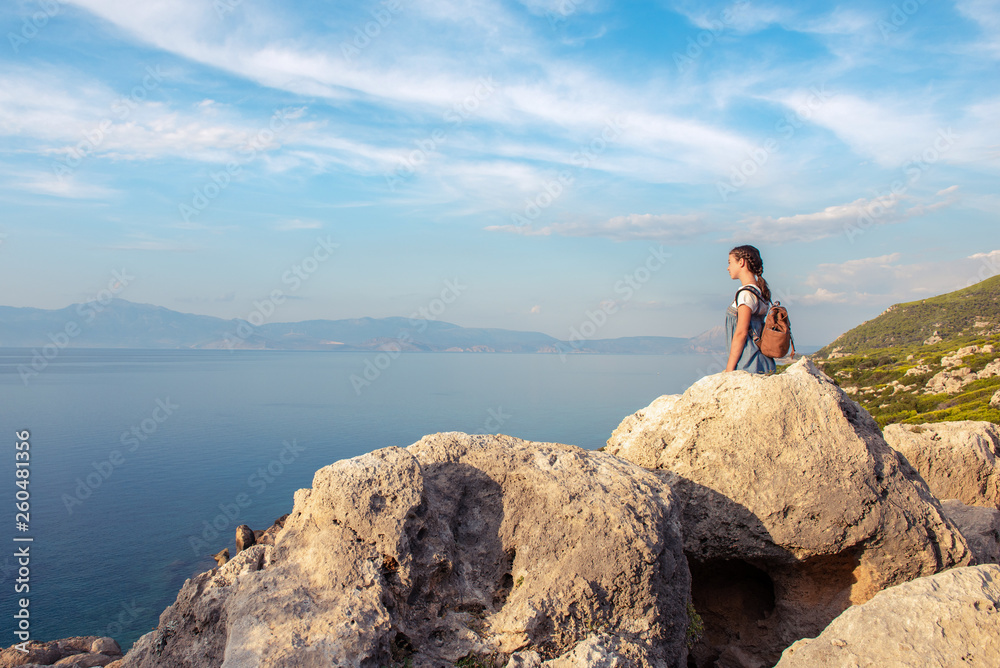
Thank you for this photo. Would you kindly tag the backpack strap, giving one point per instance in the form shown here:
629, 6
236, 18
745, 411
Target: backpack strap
755, 290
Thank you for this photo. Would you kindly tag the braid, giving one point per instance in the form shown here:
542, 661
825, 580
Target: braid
755, 265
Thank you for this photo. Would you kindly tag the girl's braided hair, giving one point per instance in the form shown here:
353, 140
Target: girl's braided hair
755, 265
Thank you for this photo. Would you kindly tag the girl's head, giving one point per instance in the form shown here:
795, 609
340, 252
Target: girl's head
751, 256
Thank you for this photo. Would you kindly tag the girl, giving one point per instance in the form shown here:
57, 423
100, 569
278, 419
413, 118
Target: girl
745, 316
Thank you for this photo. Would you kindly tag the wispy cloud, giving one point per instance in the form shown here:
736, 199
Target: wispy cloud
843, 219
986, 14
895, 280
296, 224
885, 132
153, 245
53, 185
823, 296
664, 228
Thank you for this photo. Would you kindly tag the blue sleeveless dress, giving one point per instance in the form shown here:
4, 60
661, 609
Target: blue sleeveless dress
752, 359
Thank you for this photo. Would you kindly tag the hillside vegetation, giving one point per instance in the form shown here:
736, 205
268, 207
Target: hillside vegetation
969, 313
931, 360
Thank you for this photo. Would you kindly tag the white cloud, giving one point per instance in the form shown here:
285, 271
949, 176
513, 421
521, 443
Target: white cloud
869, 269
842, 21
851, 219
986, 13
741, 16
296, 224
887, 133
823, 296
886, 279
72, 121
534, 89
68, 187
665, 228
831, 221
560, 9
152, 245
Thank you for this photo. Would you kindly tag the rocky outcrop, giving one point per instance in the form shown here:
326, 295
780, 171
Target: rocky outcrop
951, 379
244, 538
458, 546
948, 619
266, 537
794, 507
958, 460
980, 526
75, 652
995, 400
597, 651
957, 357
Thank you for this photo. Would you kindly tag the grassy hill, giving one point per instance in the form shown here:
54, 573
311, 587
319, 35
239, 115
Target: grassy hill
968, 314
931, 360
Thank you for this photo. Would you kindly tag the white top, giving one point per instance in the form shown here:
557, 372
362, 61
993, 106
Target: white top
749, 297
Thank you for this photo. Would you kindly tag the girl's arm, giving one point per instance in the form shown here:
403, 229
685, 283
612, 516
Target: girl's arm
739, 336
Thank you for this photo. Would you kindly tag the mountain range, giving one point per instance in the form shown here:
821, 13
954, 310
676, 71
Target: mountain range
119, 323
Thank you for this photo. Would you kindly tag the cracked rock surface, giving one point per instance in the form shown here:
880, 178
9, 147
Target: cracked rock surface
944, 620
457, 546
794, 507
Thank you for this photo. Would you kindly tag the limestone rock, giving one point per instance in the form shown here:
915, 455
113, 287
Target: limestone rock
85, 660
106, 645
525, 659
39, 653
244, 537
458, 544
267, 537
948, 619
990, 370
980, 526
958, 460
995, 401
597, 651
949, 381
955, 359
221, 557
794, 507
75, 652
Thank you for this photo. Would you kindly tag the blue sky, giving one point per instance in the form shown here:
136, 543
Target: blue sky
537, 154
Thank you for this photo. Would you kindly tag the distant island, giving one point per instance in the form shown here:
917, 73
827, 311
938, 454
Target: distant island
119, 323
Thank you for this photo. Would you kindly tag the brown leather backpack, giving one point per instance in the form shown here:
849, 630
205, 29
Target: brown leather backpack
776, 337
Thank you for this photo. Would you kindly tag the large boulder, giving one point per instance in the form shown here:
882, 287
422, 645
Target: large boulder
794, 507
959, 460
458, 546
948, 619
980, 526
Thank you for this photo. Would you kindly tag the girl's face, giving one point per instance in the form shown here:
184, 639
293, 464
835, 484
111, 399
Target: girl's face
735, 266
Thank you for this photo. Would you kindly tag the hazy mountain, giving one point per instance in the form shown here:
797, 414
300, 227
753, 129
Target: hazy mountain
124, 324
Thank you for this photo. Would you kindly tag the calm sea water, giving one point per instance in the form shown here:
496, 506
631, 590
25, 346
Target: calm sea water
136, 454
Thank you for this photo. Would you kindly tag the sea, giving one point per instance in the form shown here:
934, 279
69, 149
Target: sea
142, 463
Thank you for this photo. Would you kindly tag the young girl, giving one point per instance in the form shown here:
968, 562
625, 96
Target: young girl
745, 316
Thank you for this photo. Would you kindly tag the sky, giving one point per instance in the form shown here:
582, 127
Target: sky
522, 164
